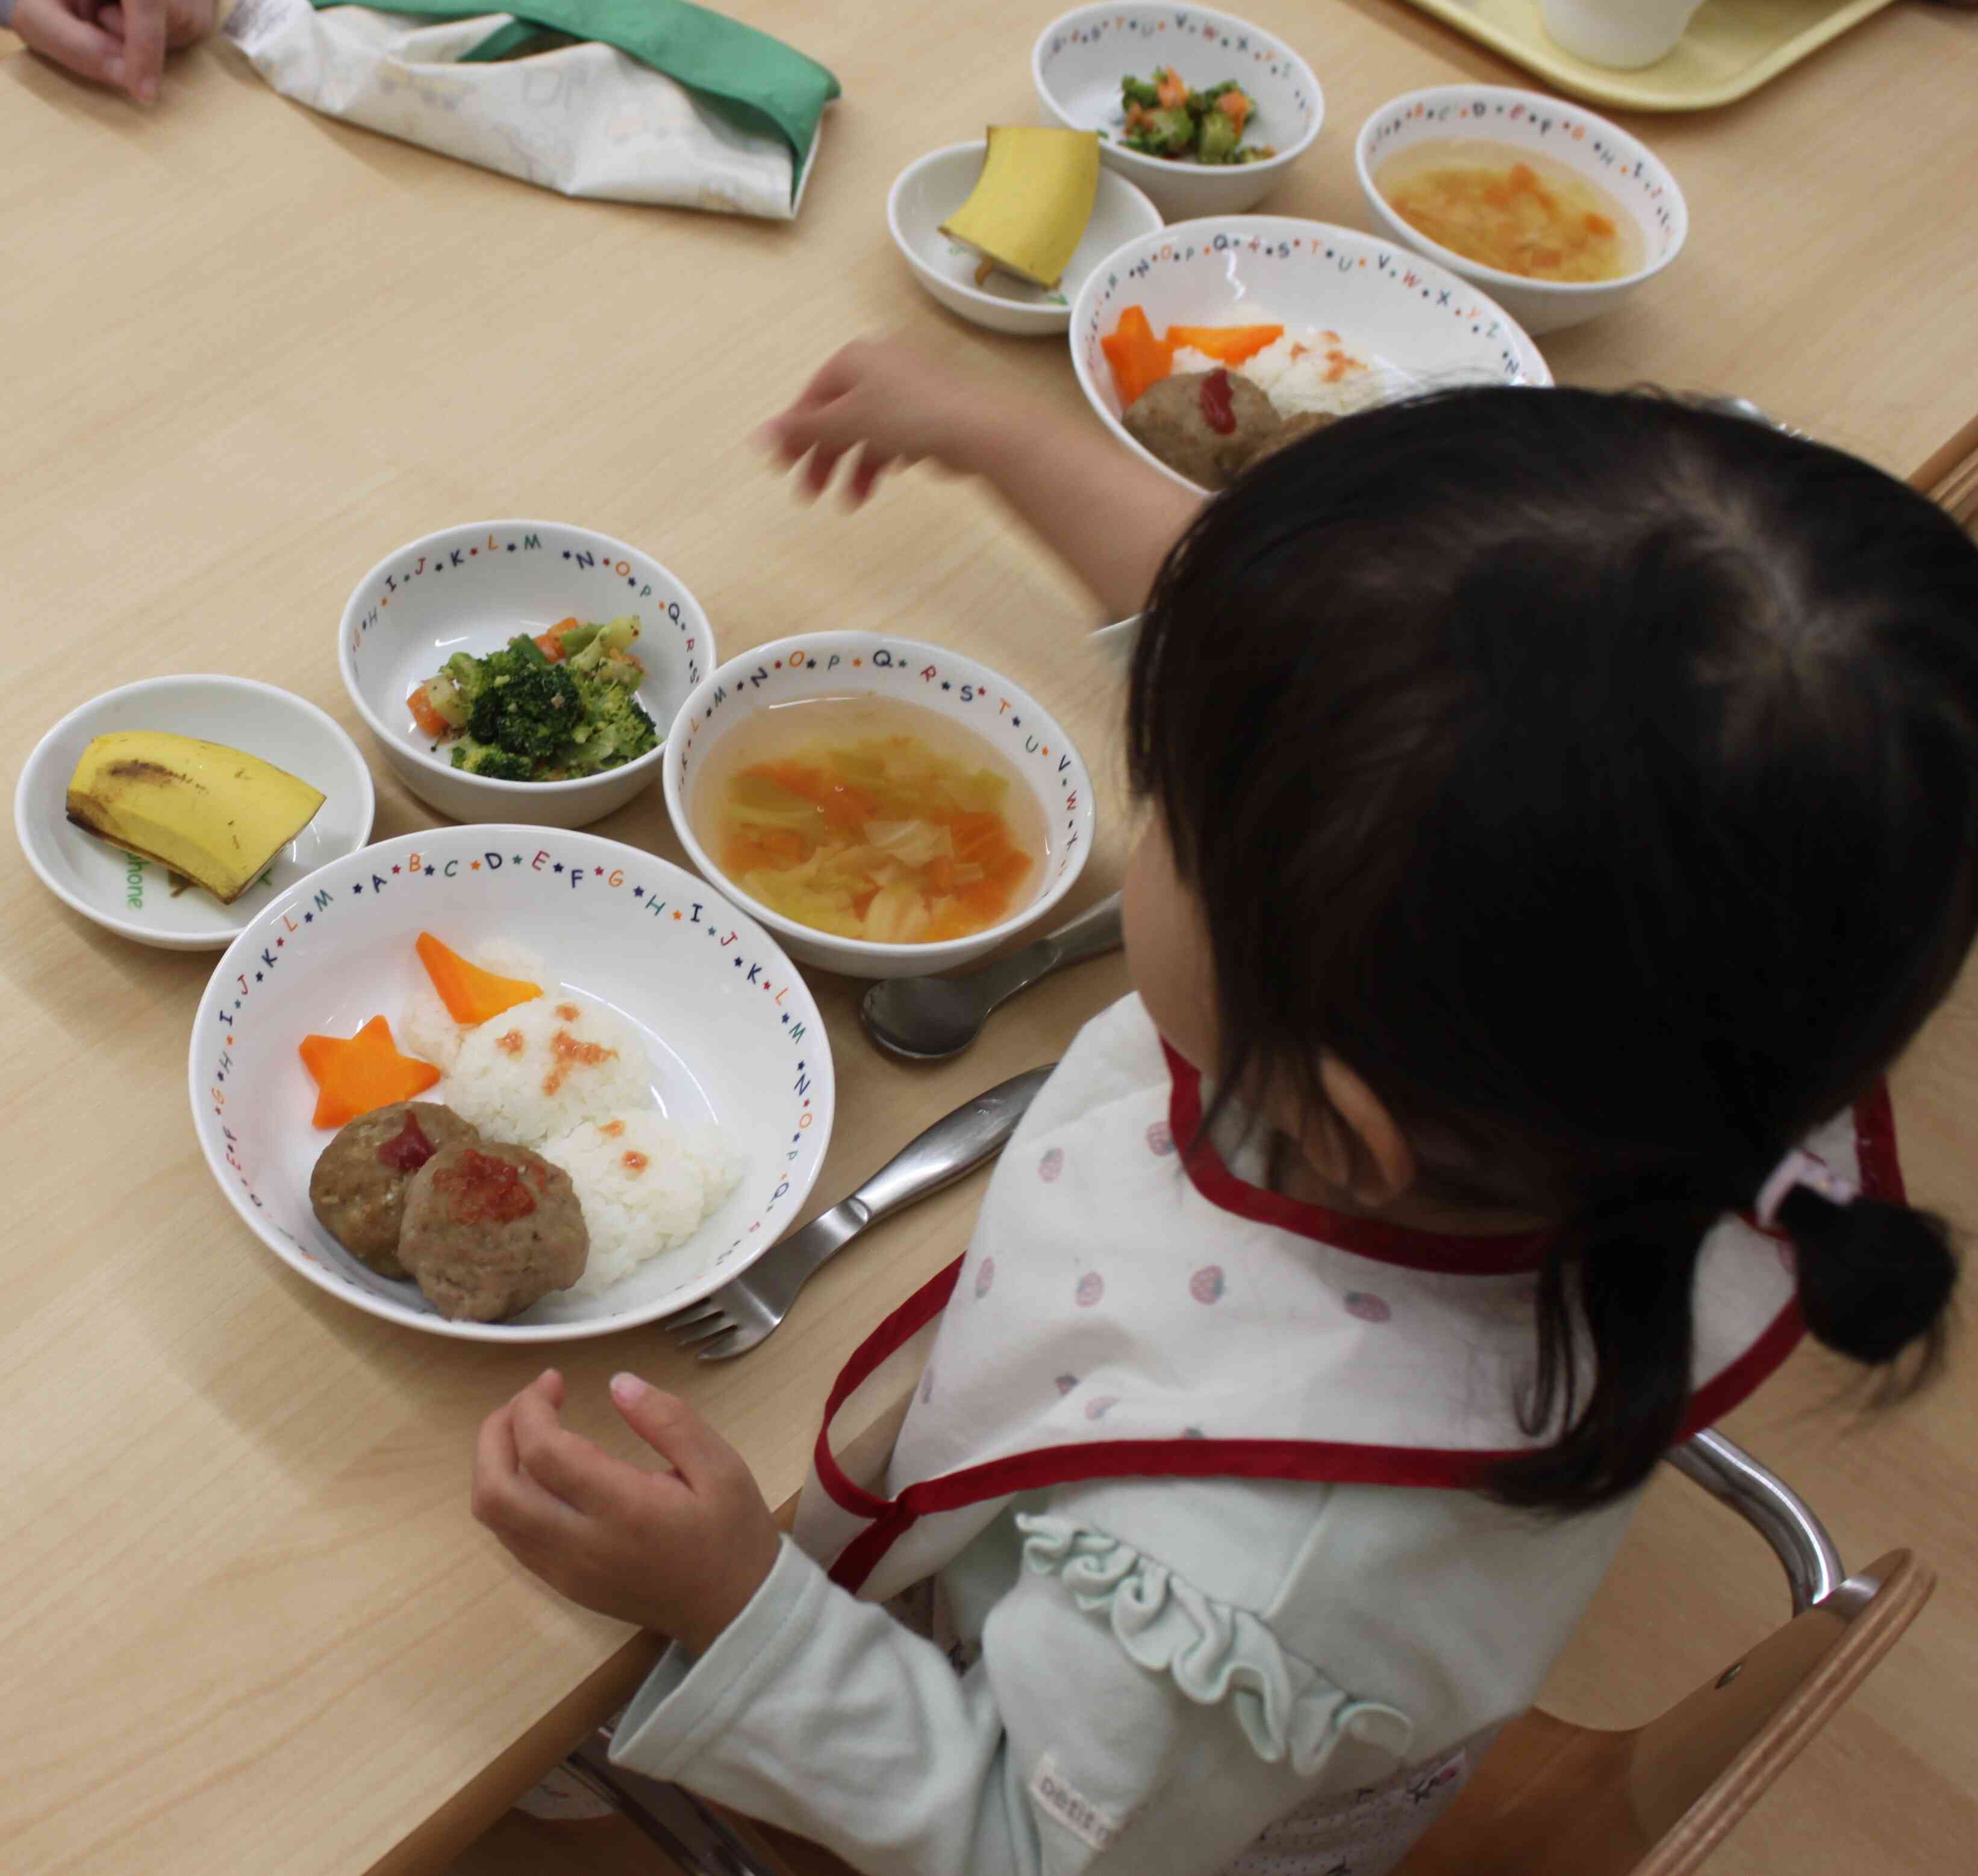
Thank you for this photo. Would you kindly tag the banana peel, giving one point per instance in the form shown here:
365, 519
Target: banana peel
217, 815
1028, 211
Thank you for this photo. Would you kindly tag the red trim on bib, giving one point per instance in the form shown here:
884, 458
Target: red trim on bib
1365, 1237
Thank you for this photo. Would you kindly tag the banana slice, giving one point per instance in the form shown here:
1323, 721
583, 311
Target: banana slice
217, 815
1028, 209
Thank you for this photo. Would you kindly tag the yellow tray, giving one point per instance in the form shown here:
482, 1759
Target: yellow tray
1732, 46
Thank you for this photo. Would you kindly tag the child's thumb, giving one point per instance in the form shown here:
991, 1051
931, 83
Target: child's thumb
669, 1426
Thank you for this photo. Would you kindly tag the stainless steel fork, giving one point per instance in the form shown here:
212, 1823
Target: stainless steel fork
747, 1308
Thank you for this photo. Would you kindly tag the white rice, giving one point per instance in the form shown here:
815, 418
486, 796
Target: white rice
537, 1071
428, 1029
1312, 371
645, 1184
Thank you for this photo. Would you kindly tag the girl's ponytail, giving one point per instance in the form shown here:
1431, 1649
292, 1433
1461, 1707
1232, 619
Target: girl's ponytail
1873, 1277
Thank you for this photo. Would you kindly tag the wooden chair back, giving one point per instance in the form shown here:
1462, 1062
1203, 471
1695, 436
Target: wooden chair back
1551, 1799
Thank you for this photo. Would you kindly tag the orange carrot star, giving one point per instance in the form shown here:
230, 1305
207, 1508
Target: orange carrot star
364, 1072
471, 994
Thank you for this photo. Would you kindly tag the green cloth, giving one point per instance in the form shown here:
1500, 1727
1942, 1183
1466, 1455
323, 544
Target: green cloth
770, 86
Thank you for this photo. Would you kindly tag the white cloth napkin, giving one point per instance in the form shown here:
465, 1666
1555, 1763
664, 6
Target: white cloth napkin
584, 120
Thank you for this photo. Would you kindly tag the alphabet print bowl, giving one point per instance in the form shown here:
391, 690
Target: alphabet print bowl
926, 192
1521, 124
823, 665
473, 588
1079, 60
1414, 324
729, 1029
137, 898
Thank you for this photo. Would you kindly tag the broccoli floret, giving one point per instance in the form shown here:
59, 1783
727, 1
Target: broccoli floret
1218, 139
527, 709
1168, 133
618, 729
483, 759
1143, 91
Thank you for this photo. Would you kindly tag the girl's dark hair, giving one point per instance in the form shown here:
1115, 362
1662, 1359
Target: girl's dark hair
1598, 778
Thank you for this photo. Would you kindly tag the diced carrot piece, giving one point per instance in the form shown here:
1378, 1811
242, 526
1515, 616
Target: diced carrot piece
1235, 106
1170, 88
1599, 225
1227, 345
472, 995
429, 720
1137, 358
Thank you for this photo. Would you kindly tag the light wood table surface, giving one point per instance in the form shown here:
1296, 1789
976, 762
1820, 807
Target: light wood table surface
246, 1622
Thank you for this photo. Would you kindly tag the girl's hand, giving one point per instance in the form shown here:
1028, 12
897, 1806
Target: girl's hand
679, 1552
880, 403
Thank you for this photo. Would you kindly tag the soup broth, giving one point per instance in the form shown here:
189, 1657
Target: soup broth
872, 819
1512, 210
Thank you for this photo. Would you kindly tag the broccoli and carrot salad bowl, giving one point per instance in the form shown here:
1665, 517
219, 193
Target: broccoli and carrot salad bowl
554, 708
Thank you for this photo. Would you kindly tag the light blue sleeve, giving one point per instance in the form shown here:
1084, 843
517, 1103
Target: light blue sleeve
1118, 1721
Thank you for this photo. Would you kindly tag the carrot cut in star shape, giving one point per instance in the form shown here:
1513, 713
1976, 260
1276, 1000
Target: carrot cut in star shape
472, 995
360, 1074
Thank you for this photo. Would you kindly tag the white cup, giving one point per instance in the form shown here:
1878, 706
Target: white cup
1626, 34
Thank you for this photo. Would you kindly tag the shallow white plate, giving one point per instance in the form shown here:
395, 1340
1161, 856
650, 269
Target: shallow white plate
926, 193
1079, 60
134, 898
1389, 307
733, 1037
472, 588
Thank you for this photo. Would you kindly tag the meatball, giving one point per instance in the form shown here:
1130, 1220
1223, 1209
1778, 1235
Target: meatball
491, 1229
358, 1186
1294, 430
1206, 425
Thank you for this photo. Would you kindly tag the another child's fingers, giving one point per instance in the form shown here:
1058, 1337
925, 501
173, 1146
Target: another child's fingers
57, 34
819, 470
564, 1463
675, 1431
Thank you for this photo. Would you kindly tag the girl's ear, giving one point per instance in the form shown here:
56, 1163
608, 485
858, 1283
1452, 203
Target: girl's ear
1353, 1142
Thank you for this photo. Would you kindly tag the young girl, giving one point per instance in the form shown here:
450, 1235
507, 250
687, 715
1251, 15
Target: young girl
1563, 807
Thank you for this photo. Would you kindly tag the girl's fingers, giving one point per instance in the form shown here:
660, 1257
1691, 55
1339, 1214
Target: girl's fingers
505, 1499
819, 471
859, 485
672, 1430
562, 1462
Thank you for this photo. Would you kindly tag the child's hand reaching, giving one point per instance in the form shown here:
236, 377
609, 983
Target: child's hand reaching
679, 1552
879, 403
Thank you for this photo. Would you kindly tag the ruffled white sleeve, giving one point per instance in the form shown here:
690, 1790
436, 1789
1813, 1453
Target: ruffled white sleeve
1119, 1720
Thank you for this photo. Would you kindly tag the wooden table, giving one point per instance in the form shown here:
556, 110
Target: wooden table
246, 1622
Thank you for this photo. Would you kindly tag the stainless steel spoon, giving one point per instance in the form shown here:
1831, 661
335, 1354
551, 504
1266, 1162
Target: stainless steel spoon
927, 1018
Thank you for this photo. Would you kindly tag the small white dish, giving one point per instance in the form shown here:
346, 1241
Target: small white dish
1080, 57
852, 663
134, 898
926, 192
1624, 35
1570, 134
472, 588
1388, 306
733, 1036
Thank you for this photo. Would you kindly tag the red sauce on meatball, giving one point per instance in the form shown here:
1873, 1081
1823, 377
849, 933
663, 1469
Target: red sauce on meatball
480, 1190
1218, 412
407, 1149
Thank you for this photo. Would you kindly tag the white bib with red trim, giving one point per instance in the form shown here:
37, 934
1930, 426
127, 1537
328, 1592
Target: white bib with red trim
1120, 1314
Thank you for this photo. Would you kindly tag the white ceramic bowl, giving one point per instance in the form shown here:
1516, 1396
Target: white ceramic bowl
1388, 306
472, 588
925, 193
1568, 133
134, 898
1079, 58
733, 1036
848, 663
